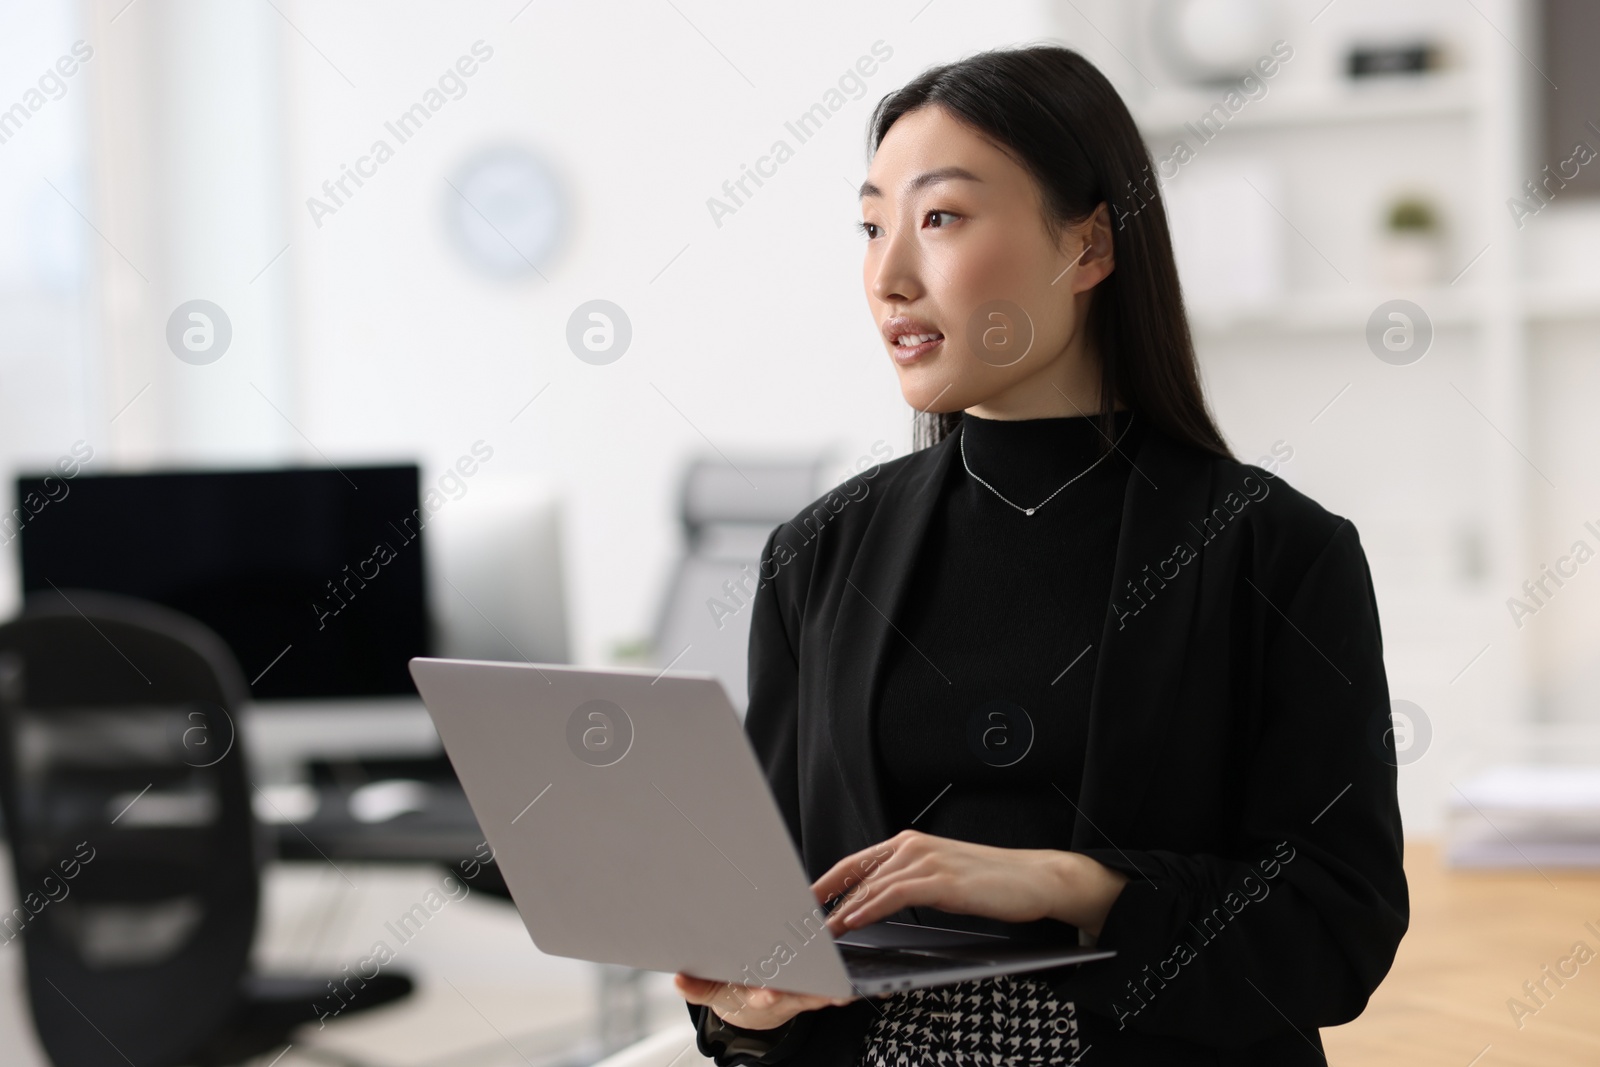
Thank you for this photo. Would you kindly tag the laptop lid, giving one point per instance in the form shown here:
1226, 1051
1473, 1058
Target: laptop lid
631, 820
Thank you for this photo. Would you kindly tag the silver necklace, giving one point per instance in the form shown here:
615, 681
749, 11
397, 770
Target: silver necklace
962, 443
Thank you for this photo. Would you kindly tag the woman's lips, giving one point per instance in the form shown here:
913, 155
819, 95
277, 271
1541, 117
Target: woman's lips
907, 354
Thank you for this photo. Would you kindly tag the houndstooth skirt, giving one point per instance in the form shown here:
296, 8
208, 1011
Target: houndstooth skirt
1009, 1021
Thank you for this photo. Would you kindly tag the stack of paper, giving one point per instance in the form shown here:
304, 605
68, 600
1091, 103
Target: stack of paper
1526, 816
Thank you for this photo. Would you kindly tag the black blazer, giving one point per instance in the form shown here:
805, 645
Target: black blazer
1240, 768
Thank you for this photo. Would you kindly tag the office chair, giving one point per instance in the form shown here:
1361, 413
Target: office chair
134, 849
727, 512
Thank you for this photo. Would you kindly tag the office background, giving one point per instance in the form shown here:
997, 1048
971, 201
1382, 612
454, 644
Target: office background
427, 302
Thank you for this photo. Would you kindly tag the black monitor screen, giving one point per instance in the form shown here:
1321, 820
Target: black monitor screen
313, 577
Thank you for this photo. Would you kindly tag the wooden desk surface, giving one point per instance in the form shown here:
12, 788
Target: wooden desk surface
1475, 938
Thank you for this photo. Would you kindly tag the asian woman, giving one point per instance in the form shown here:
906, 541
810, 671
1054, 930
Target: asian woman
1068, 671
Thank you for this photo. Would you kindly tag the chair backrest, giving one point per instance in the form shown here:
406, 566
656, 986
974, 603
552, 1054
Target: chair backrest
128, 811
727, 510
755, 492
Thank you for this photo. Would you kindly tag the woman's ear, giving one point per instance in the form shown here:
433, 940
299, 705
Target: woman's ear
1087, 250
1099, 251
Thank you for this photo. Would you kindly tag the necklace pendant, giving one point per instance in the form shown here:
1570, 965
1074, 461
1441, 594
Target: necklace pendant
1029, 511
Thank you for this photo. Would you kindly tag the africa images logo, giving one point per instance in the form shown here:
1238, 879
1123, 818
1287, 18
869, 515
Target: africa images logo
199, 332
599, 732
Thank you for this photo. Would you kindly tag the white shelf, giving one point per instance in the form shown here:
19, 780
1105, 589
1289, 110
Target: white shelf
1427, 96
1565, 300
1337, 311
1342, 311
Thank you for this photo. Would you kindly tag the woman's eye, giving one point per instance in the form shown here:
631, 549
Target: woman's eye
933, 218
870, 229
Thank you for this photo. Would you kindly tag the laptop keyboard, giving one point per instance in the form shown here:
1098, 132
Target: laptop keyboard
881, 963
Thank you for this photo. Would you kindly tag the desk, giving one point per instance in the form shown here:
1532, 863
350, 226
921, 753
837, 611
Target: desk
335, 747
1475, 937
281, 737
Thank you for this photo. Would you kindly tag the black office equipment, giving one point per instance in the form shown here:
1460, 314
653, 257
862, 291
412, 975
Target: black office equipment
135, 854
314, 577
1376, 60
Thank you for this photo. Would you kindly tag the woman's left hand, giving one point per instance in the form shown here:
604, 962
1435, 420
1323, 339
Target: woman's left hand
1015, 885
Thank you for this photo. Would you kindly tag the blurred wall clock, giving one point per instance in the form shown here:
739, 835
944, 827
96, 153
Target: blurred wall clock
505, 211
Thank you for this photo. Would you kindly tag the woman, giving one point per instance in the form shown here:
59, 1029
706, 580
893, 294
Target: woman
1068, 671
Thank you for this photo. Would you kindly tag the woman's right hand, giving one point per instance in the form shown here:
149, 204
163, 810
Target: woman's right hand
752, 1007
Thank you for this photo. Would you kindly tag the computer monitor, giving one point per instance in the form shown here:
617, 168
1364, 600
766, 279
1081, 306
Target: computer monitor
314, 577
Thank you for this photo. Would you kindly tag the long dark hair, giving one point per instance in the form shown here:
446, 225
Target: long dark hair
1056, 114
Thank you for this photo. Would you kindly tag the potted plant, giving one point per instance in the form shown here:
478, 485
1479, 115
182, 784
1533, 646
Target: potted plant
1411, 247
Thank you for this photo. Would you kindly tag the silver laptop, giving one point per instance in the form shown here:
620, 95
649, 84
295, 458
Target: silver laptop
633, 825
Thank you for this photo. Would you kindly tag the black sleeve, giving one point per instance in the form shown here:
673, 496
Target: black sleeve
771, 723
727, 1045
1302, 924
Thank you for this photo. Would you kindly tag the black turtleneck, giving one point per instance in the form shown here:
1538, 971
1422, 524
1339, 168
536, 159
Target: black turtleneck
981, 718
